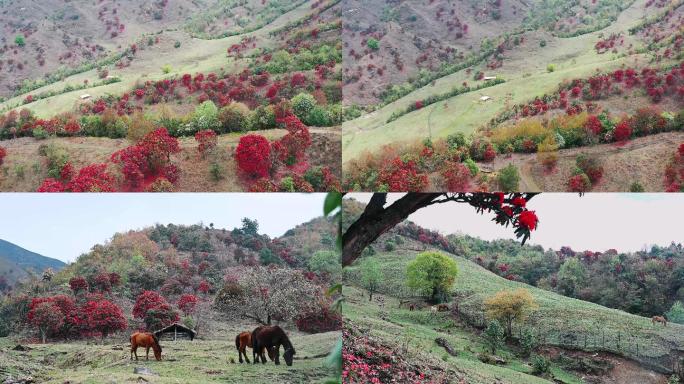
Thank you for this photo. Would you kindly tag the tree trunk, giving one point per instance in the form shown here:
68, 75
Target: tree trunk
268, 320
376, 220
370, 295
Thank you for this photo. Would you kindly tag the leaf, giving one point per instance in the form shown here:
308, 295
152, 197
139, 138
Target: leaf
333, 200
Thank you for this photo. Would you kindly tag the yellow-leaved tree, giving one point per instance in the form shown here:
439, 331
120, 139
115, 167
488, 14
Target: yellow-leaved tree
510, 306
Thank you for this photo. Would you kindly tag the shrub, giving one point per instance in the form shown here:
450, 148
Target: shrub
474, 170
205, 117
590, 166
93, 178
161, 184
527, 342
40, 133
263, 117
78, 284
494, 335
540, 365
253, 155
636, 187
579, 183
207, 140
482, 150
233, 118
509, 178
3, 154
138, 127
292, 147
20, 40
323, 320
399, 175
623, 130
104, 317
302, 105
318, 117
166, 69
456, 140
550, 68
373, 44
457, 177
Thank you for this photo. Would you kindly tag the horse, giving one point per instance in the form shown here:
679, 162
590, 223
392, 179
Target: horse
659, 319
147, 341
244, 340
412, 307
442, 308
433, 310
271, 337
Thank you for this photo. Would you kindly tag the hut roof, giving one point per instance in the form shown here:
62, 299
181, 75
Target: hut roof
176, 328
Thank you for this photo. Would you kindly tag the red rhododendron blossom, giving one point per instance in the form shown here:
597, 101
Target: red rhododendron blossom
93, 178
51, 185
3, 153
528, 219
104, 317
187, 303
253, 155
207, 140
519, 202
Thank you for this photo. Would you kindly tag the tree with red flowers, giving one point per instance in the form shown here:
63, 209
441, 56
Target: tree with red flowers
154, 310
187, 303
3, 153
292, 147
457, 176
377, 218
623, 130
47, 317
253, 155
78, 284
104, 317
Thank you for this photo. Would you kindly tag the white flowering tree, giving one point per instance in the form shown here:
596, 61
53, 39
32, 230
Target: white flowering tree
269, 293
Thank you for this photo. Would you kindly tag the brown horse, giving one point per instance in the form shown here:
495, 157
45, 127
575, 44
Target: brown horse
244, 340
412, 307
147, 341
442, 308
659, 319
271, 337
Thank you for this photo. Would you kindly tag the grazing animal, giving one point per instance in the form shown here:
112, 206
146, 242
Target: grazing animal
244, 340
433, 310
147, 341
271, 338
659, 319
412, 307
442, 308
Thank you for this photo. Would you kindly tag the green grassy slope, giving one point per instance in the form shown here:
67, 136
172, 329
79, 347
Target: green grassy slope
524, 70
560, 320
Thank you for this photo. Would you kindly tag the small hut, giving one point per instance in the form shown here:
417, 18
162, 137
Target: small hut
176, 331
85, 96
486, 78
485, 98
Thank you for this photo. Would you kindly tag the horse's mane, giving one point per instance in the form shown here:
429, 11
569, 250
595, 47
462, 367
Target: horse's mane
286, 341
156, 341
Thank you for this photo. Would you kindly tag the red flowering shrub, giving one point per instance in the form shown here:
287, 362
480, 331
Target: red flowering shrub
149, 158
101, 283
134, 163
319, 321
457, 177
104, 317
253, 155
291, 148
72, 127
204, 287
93, 178
47, 318
418, 104
579, 183
154, 310
593, 125
51, 185
591, 167
207, 140
3, 153
623, 130
78, 284
399, 175
187, 303
482, 150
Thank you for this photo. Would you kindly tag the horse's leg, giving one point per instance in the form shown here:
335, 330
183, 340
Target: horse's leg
276, 352
240, 354
147, 354
135, 350
245, 352
255, 357
262, 353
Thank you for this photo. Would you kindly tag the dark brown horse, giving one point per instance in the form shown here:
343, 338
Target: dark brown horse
244, 340
271, 338
442, 308
147, 341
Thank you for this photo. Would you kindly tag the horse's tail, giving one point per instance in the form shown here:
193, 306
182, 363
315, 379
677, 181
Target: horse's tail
237, 342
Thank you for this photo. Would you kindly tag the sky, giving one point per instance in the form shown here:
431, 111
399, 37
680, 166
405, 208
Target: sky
595, 221
63, 226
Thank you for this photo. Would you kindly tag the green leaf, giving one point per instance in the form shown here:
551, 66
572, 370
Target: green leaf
333, 200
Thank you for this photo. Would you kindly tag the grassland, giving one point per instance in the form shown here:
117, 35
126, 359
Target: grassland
526, 75
199, 361
195, 55
559, 321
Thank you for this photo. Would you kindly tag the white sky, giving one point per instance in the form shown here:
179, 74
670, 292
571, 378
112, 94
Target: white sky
595, 221
64, 225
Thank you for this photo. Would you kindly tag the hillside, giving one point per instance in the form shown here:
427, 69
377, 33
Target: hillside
16, 263
195, 275
247, 72
567, 330
543, 67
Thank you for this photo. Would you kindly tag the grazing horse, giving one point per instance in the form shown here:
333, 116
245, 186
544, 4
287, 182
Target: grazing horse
147, 341
271, 338
442, 308
412, 307
659, 319
433, 310
244, 340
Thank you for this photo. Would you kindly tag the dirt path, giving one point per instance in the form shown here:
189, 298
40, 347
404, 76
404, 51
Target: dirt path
623, 371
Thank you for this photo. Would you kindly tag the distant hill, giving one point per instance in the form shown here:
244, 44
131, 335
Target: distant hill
16, 262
